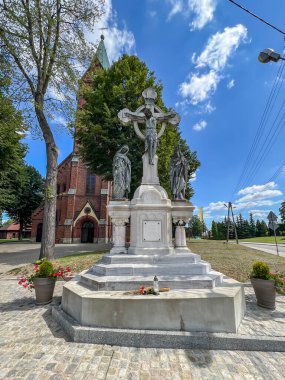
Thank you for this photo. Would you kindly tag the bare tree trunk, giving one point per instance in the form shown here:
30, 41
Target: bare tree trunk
48, 235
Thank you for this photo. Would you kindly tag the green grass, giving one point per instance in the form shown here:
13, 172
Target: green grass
234, 260
77, 263
14, 241
265, 239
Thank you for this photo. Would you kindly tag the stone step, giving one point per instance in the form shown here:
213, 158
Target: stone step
209, 280
159, 269
150, 259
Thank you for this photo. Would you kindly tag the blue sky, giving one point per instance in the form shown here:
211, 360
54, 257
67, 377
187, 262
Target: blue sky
205, 52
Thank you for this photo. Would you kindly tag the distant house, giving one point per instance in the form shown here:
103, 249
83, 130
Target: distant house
11, 231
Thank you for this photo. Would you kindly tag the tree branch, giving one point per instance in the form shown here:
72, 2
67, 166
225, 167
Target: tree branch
54, 49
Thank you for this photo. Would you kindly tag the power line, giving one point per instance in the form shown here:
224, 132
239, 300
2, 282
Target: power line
266, 113
266, 146
259, 18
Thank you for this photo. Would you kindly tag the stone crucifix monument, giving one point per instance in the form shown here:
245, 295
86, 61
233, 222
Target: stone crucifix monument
101, 300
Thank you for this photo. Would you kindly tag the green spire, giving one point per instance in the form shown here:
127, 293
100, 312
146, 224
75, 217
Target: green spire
102, 54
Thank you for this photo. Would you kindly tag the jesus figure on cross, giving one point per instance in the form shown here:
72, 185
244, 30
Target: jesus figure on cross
149, 114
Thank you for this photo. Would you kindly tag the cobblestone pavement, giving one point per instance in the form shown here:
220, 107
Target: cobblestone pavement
32, 346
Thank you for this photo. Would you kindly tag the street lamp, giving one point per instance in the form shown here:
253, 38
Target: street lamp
268, 55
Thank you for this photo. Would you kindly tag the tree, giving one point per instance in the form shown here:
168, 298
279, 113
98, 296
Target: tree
196, 226
282, 212
29, 188
45, 45
252, 226
261, 228
12, 151
214, 229
98, 125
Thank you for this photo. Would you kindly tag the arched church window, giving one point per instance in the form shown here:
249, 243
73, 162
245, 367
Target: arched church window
90, 183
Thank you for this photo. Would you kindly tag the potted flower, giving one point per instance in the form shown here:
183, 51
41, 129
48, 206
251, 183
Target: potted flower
266, 284
43, 280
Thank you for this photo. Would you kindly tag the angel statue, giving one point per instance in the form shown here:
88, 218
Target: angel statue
121, 173
178, 174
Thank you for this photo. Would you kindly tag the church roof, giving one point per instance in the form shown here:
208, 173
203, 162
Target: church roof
102, 54
100, 60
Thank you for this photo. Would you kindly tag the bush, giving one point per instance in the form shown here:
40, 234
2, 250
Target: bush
45, 269
260, 270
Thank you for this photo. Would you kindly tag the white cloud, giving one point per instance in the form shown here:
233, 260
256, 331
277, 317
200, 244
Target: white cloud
214, 206
59, 121
231, 84
204, 12
193, 177
152, 13
259, 203
201, 11
220, 47
252, 199
260, 195
257, 188
176, 7
117, 40
199, 88
200, 126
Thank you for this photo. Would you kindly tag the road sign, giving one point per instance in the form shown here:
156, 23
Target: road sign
272, 217
273, 225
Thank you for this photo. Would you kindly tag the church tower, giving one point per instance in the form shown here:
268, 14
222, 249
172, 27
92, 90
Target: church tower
82, 196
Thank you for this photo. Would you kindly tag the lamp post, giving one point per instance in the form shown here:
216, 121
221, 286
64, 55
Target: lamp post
268, 55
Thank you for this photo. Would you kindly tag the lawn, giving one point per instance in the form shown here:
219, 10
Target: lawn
77, 263
265, 239
233, 260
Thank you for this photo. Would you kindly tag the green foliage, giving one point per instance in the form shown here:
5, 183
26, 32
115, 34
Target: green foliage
282, 212
98, 125
28, 189
245, 228
12, 151
45, 269
260, 270
196, 226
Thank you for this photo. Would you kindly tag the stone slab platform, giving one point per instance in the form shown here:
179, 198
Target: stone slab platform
207, 310
166, 339
120, 283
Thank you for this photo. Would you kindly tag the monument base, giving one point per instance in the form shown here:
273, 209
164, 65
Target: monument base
197, 310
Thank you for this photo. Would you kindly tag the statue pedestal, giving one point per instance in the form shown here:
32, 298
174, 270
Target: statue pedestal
150, 173
119, 211
182, 212
151, 224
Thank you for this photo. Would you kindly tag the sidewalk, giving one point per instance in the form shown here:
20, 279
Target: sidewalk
32, 346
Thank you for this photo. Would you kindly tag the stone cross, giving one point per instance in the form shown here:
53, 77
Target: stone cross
149, 114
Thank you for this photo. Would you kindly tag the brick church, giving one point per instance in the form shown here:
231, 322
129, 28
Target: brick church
82, 196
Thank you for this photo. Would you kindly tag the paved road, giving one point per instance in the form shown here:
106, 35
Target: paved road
13, 255
265, 247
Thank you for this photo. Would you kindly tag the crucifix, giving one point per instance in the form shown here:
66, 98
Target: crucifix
149, 114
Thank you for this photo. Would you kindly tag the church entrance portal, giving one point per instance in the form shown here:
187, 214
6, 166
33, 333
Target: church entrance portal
87, 232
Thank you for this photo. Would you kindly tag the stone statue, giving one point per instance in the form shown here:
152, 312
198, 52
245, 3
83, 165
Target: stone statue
121, 173
178, 174
149, 114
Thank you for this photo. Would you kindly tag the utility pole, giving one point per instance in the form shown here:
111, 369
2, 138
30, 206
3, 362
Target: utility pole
229, 206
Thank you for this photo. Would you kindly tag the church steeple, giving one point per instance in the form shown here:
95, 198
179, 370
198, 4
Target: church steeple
102, 54
100, 61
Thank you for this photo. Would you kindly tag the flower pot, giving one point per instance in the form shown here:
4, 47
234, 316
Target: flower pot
44, 288
265, 292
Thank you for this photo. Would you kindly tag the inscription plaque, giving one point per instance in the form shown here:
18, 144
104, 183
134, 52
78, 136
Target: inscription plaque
152, 230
